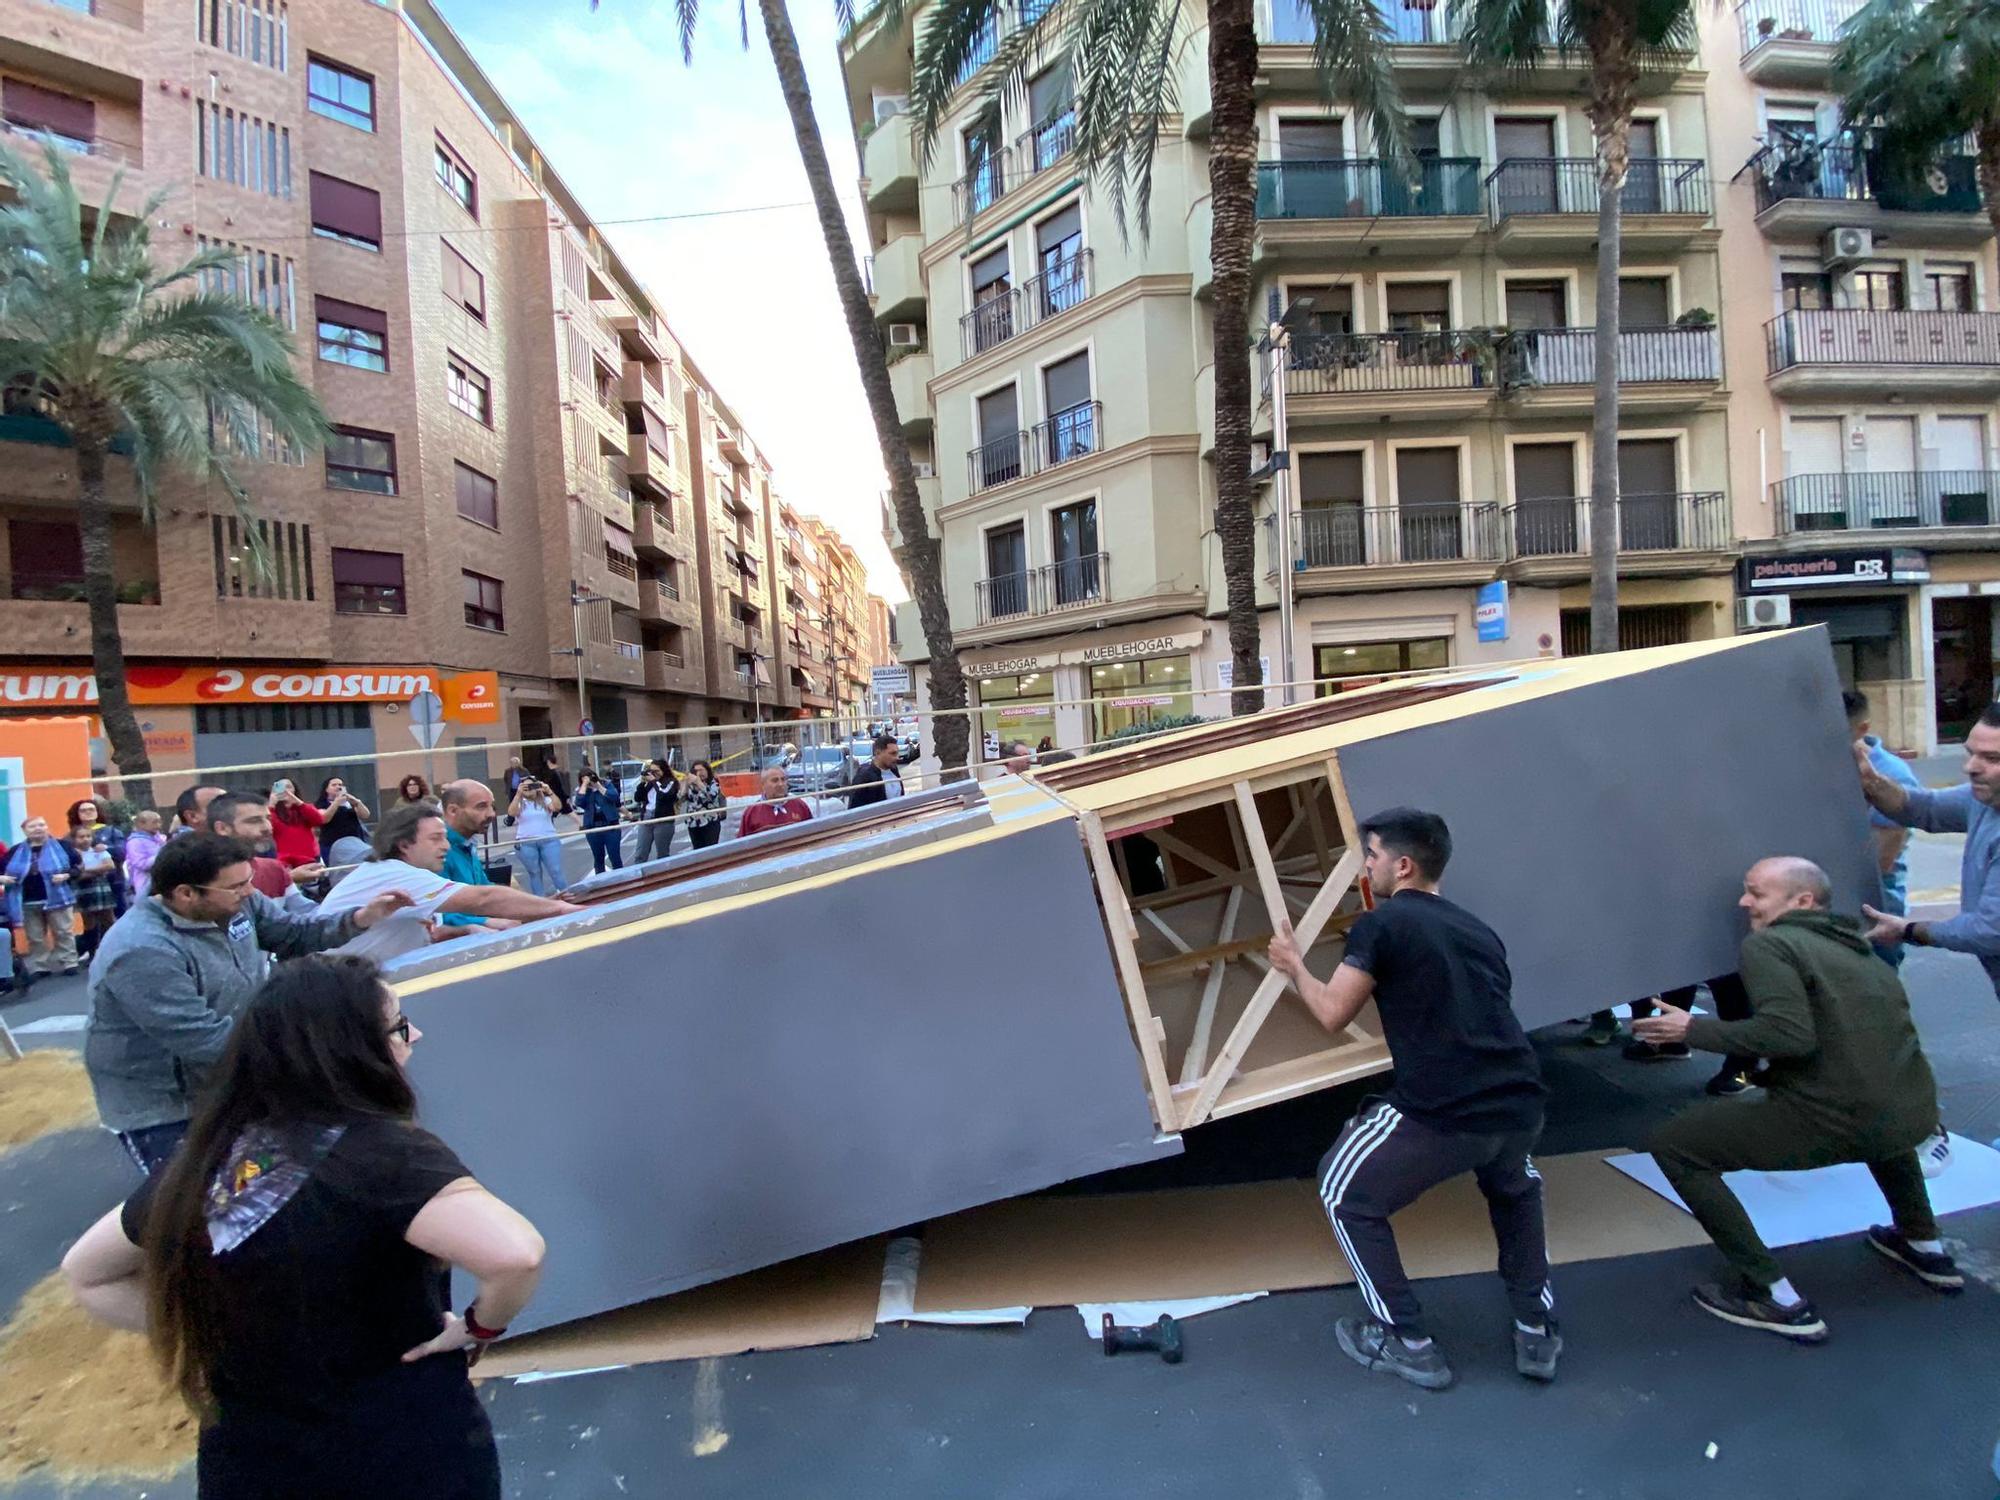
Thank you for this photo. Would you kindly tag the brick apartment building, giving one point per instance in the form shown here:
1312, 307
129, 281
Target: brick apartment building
525, 456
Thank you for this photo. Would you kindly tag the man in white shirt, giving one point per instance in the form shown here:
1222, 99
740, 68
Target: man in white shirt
410, 848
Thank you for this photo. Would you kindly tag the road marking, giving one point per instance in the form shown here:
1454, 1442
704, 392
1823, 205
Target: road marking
710, 1437
50, 1025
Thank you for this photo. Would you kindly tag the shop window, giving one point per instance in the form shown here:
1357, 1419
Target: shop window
1020, 707
1341, 668
1127, 694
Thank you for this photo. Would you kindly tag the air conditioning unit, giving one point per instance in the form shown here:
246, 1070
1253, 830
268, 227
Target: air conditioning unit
905, 336
1764, 612
1840, 247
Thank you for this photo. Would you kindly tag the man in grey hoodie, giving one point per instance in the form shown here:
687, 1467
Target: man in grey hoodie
1847, 1082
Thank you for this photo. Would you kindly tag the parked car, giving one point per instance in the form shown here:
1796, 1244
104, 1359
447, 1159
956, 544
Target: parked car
819, 767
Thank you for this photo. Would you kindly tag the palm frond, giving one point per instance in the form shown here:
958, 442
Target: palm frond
1919, 77
1505, 36
1351, 41
955, 34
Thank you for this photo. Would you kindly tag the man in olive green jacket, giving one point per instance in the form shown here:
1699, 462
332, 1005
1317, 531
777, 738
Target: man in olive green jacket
1847, 1082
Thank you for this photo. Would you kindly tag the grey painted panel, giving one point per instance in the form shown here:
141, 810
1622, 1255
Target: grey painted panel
687, 1104
1604, 832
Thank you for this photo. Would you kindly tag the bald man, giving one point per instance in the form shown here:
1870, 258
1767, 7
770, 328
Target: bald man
468, 813
1847, 1083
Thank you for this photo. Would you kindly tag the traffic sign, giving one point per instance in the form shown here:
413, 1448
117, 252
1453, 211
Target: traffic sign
427, 719
586, 728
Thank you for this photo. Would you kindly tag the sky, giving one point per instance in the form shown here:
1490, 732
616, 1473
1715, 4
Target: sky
634, 132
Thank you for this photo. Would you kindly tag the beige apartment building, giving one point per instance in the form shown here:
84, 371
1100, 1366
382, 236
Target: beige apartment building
1058, 378
525, 456
826, 616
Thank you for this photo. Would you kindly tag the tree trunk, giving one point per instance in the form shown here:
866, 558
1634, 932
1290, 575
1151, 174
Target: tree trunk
1613, 85
107, 649
1232, 187
920, 558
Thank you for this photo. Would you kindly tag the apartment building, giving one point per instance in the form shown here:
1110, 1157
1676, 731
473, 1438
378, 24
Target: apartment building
526, 466
1438, 377
1865, 362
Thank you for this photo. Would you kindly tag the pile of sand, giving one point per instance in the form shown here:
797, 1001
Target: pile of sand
42, 1093
79, 1401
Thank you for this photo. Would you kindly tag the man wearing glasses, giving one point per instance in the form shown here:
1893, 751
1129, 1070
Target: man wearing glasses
171, 975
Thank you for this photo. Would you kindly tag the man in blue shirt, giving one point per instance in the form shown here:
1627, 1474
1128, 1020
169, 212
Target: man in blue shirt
468, 813
1892, 839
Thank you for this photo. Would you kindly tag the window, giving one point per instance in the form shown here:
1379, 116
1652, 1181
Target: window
239, 148
1331, 664
263, 278
1078, 574
1538, 304
463, 284
468, 390
478, 497
287, 548
985, 167
256, 29
340, 93
1072, 424
1129, 693
346, 211
368, 583
1418, 306
1311, 138
992, 300
1950, 287
1805, 290
1880, 290
357, 459
1006, 581
482, 602
352, 335
1426, 137
59, 119
1645, 301
457, 178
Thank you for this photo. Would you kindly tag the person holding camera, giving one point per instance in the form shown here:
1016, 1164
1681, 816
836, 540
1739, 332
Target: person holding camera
295, 825
537, 849
658, 798
597, 805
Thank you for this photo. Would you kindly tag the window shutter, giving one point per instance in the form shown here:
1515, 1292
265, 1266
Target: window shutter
657, 436
368, 319
45, 109
346, 208
372, 569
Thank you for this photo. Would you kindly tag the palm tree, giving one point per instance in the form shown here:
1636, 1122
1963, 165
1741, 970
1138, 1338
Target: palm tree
1923, 77
920, 558
100, 340
1123, 56
1617, 40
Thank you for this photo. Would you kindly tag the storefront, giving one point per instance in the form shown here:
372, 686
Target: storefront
1341, 668
1015, 706
1126, 694
1084, 688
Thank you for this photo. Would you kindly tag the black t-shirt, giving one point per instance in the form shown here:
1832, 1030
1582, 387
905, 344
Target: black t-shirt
322, 1302
1441, 984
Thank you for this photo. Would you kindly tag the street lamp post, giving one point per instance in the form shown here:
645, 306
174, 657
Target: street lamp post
579, 599
1279, 341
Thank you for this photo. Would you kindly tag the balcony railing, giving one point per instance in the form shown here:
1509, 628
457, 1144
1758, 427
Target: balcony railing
1362, 187
1760, 21
1357, 536
621, 565
1867, 502
1064, 284
1646, 523
673, 660
1855, 336
1068, 435
1324, 363
1070, 583
983, 186
630, 650
1568, 185
1042, 146
1290, 24
1842, 172
1568, 356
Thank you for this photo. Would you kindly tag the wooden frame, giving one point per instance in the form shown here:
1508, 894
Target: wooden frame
1185, 954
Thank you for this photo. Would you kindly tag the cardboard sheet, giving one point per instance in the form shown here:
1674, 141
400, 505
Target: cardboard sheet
828, 1298
1267, 1236
1790, 1208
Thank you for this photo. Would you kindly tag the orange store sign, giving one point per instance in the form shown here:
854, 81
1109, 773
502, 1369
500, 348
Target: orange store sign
469, 697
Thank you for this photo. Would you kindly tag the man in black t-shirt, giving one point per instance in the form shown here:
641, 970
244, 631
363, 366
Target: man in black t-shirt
1467, 1097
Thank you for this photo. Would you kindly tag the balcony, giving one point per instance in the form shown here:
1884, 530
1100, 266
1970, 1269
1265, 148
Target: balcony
889, 162
1836, 351
660, 603
1933, 500
1551, 203
1806, 188
899, 280
1548, 539
661, 530
645, 464
1065, 437
1360, 376
1791, 42
1055, 588
1047, 144
1305, 208
984, 185
910, 384
1064, 285
733, 443
669, 672
1418, 543
615, 661
1556, 368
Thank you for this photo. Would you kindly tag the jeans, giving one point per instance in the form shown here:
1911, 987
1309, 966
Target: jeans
541, 865
604, 848
1896, 902
152, 1147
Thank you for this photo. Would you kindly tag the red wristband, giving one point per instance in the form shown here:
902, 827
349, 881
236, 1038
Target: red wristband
474, 1328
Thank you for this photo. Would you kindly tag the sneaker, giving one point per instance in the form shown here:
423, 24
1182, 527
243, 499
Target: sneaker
1747, 1308
1373, 1346
1932, 1267
1726, 1085
1636, 1051
1935, 1152
1602, 1034
72, 971
1535, 1354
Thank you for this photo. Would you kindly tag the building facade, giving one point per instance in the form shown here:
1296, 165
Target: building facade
530, 481
1057, 376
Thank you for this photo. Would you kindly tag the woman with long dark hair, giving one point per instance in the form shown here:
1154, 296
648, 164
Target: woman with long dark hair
705, 806
345, 814
290, 1263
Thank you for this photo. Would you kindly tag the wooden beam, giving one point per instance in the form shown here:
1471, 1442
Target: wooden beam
1181, 849
1260, 856
1292, 828
1271, 987
1118, 921
1193, 959
1196, 1060
1320, 847
1161, 925
1336, 784
1182, 894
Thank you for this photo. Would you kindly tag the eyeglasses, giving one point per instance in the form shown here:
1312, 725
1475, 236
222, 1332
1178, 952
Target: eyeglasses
240, 888
401, 1029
